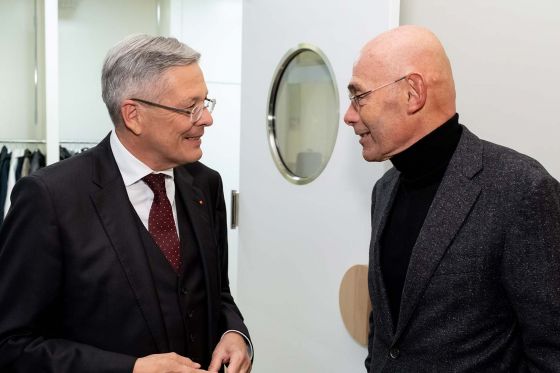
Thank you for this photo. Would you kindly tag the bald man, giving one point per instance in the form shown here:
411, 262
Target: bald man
465, 246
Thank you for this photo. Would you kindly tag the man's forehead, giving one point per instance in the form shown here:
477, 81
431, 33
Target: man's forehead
361, 75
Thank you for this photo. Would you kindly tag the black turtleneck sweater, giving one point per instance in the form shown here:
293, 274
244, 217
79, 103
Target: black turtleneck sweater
422, 167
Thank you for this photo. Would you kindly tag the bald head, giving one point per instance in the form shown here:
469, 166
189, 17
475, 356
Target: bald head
413, 49
402, 89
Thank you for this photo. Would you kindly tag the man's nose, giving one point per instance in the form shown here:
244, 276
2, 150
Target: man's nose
351, 116
206, 119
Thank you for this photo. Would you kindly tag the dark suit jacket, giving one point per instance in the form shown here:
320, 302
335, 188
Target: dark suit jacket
76, 293
482, 290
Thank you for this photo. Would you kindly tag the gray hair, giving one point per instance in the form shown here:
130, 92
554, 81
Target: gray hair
134, 66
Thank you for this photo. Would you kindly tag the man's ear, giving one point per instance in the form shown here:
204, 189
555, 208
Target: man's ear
417, 93
131, 116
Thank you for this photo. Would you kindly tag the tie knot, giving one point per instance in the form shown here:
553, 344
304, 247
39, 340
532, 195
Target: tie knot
156, 182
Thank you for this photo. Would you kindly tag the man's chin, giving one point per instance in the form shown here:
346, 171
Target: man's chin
195, 157
372, 157
190, 158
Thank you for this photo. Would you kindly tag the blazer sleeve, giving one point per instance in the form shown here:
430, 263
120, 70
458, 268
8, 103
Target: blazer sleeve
531, 272
31, 283
230, 317
370, 285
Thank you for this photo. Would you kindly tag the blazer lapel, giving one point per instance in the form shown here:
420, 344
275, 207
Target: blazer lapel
114, 210
196, 207
383, 205
452, 204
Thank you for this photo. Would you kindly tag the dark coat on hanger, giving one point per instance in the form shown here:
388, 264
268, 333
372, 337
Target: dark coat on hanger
5, 158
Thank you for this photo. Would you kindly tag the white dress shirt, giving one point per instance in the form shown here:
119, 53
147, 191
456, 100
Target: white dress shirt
139, 193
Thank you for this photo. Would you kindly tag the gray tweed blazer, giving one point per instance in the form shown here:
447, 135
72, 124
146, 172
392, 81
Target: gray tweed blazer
482, 291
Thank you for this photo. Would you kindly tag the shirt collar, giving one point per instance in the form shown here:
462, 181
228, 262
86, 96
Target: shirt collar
130, 167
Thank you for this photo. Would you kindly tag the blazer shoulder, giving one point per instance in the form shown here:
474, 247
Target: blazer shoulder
70, 171
74, 176
200, 170
506, 164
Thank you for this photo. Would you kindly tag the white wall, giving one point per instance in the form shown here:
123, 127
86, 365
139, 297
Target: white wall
296, 242
505, 57
17, 69
87, 30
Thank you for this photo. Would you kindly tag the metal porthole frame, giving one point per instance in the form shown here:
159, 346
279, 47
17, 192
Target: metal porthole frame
271, 117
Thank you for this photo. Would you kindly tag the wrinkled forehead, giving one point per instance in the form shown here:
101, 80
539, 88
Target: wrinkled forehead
366, 71
186, 82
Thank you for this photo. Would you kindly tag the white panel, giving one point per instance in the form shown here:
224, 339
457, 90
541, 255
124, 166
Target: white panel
221, 152
87, 30
296, 242
52, 113
505, 57
213, 27
17, 66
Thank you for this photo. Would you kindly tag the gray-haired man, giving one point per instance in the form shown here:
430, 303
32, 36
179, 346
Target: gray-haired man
116, 260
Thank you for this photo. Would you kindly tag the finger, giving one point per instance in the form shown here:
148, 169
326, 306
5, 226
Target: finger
234, 365
183, 360
188, 362
248, 366
217, 361
245, 364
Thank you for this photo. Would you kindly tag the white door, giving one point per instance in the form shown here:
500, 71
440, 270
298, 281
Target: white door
297, 241
213, 27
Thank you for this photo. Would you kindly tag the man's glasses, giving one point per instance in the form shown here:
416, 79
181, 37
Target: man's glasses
195, 113
355, 99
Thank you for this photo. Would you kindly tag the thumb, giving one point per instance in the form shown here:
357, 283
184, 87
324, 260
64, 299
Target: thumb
216, 363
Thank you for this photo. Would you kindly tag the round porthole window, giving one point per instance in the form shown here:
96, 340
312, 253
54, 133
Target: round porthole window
303, 114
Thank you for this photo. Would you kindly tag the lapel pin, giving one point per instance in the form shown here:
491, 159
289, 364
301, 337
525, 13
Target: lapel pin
200, 202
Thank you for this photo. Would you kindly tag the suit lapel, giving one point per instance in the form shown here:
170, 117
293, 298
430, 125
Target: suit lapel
383, 205
196, 207
114, 210
452, 204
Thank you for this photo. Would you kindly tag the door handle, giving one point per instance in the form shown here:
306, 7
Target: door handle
234, 209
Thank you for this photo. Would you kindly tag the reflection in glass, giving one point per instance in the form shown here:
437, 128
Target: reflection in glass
304, 115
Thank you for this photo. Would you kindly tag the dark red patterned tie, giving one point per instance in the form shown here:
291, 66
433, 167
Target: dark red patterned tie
161, 224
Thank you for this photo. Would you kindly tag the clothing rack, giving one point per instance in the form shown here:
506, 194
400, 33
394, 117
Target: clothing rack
78, 142
23, 142
44, 142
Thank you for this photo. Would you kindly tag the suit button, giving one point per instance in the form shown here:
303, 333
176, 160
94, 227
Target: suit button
394, 353
190, 314
192, 338
184, 291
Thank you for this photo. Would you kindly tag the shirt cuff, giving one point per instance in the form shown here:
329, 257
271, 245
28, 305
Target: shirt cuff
247, 340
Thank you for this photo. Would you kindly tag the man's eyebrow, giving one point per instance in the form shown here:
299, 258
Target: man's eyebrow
191, 101
352, 87
187, 103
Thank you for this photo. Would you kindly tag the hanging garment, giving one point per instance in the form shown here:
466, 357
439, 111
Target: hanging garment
16, 154
36, 162
5, 158
23, 165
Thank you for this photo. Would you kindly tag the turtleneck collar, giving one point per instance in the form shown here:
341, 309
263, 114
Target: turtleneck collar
430, 155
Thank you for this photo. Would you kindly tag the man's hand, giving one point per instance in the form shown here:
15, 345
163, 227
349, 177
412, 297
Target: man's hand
166, 363
231, 350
